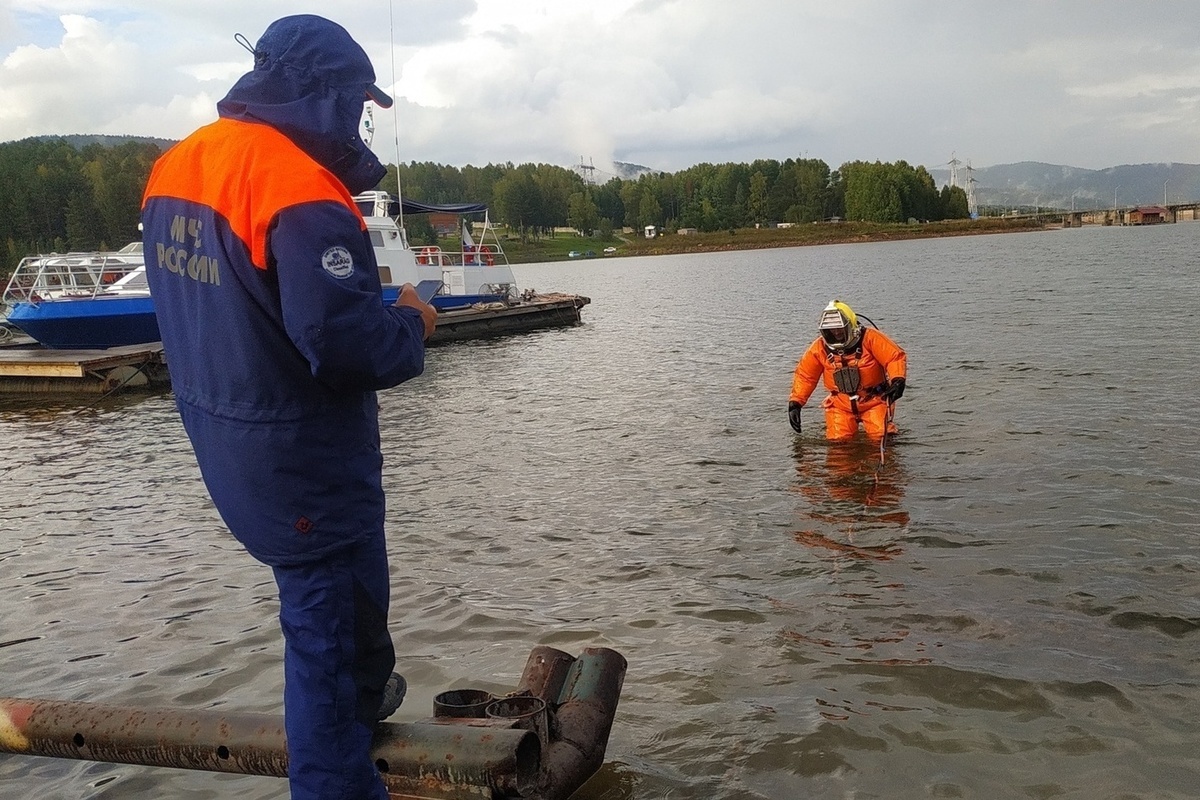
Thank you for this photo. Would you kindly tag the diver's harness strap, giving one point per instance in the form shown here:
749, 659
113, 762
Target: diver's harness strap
848, 380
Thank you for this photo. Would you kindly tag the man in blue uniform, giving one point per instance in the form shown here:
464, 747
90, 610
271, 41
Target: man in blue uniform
276, 336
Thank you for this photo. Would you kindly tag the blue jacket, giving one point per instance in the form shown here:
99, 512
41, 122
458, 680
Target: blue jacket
276, 337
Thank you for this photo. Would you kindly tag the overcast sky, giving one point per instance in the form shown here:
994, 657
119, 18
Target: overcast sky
662, 83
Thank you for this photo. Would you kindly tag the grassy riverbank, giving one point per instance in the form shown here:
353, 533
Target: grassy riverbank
558, 248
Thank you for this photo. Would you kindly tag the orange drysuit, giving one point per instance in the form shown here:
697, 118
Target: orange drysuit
877, 359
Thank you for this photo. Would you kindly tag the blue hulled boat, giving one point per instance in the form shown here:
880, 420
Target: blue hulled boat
99, 300
83, 301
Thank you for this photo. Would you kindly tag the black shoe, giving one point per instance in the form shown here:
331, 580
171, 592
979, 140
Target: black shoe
393, 695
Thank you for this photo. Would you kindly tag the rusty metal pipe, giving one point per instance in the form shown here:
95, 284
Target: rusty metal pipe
582, 694
545, 673
446, 757
426, 759
584, 712
421, 759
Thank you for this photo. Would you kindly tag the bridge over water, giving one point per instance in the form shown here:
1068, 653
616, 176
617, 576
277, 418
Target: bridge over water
1121, 215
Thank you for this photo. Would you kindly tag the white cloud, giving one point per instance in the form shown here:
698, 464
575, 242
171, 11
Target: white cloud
663, 82
1143, 84
42, 88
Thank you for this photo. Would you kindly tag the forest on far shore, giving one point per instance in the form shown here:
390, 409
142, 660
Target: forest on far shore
56, 196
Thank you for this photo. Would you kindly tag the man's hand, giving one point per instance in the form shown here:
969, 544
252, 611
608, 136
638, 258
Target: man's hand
408, 297
794, 415
895, 390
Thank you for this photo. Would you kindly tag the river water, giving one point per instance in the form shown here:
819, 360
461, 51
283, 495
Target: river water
1008, 606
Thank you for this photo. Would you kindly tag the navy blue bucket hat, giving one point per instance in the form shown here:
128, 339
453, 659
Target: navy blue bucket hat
320, 49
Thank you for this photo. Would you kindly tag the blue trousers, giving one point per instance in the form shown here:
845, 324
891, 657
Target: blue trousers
338, 655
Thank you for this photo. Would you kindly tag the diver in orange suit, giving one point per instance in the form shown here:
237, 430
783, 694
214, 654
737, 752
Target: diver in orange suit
863, 370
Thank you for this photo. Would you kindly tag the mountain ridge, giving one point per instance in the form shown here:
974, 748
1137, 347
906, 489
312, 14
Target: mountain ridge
82, 140
1038, 183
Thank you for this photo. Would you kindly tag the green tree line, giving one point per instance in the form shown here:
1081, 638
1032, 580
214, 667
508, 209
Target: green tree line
55, 197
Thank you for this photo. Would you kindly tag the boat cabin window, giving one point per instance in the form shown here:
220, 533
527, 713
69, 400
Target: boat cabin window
385, 274
376, 238
134, 280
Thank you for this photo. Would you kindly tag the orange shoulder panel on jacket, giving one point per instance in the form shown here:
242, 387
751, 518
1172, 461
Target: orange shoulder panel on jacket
246, 173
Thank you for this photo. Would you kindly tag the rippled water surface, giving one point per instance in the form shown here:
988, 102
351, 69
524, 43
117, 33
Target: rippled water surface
1007, 606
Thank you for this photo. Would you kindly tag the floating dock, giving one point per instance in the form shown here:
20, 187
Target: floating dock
499, 319
542, 741
27, 368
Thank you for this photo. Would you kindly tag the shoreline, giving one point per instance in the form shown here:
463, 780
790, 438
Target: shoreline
737, 242
798, 236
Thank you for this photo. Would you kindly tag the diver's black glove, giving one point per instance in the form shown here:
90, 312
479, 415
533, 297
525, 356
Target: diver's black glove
895, 389
794, 415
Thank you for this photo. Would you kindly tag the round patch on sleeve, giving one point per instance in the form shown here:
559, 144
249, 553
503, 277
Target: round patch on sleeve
338, 262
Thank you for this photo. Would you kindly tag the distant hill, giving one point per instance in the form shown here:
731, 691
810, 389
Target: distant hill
82, 140
631, 172
1032, 183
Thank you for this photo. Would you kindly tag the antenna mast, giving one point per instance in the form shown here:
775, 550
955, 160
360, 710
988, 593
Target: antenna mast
396, 117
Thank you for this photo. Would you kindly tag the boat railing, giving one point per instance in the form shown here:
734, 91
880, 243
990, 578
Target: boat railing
70, 276
486, 252
481, 256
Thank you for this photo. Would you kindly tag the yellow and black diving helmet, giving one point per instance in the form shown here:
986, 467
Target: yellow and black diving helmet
839, 327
